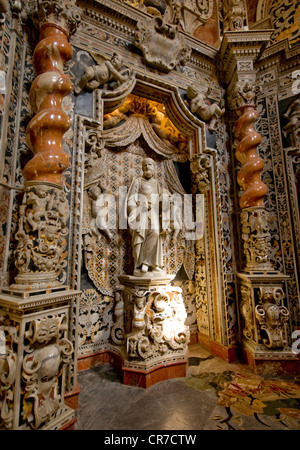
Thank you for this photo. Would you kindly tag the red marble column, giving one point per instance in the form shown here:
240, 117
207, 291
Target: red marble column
46, 129
249, 176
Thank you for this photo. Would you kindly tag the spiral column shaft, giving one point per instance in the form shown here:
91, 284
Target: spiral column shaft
249, 176
45, 131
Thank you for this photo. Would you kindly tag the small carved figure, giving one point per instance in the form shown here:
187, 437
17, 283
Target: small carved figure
208, 113
293, 115
98, 220
101, 74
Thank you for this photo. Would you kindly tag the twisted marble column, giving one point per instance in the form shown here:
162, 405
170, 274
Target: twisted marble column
249, 176
43, 215
46, 129
254, 218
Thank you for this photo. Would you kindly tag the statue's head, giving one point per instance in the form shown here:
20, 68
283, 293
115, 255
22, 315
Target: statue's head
117, 61
148, 166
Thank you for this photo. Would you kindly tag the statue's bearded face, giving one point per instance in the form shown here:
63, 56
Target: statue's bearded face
148, 168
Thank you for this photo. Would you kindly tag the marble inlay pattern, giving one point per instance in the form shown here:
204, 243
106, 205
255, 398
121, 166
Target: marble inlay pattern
215, 395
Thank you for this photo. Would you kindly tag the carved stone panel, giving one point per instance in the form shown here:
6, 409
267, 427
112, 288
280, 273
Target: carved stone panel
161, 43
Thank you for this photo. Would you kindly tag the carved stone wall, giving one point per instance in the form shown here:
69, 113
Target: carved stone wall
99, 148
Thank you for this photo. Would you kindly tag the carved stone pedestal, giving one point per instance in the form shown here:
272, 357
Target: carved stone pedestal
149, 330
37, 357
265, 324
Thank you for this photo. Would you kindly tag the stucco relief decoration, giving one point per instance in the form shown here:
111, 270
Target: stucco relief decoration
272, 318
41, 237
47, 354
4, 8
161, 43
193, 13
55, 11
8, 365
200, 168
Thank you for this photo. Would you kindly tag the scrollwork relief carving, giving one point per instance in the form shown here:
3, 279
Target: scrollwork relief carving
62, 12
48, 352
247, 312
200, 168
272, 317
234, 15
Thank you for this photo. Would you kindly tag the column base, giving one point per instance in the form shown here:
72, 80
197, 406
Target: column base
145, 379
275, 363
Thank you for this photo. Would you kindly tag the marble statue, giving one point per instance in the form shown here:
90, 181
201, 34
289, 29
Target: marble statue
144, 221
102, 73
208, 113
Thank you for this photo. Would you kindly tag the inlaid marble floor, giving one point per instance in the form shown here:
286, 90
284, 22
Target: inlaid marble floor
215, 395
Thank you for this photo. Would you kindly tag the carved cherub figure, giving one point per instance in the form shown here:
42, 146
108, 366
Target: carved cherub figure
98, 220
101, 74
208, 113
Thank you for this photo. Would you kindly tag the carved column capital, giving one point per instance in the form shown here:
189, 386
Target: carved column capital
59, 12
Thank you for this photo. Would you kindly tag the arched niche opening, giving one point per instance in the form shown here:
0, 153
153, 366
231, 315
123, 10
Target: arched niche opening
154, 120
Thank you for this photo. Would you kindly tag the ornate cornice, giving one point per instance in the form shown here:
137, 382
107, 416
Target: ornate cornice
240, 45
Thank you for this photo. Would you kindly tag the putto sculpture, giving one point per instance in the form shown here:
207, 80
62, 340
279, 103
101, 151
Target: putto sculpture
198, 105
102, 73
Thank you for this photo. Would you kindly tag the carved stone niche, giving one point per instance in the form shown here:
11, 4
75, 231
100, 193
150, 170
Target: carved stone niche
150, 329
37, 358
264, 323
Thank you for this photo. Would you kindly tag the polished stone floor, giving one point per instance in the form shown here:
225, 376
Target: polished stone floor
215, 395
